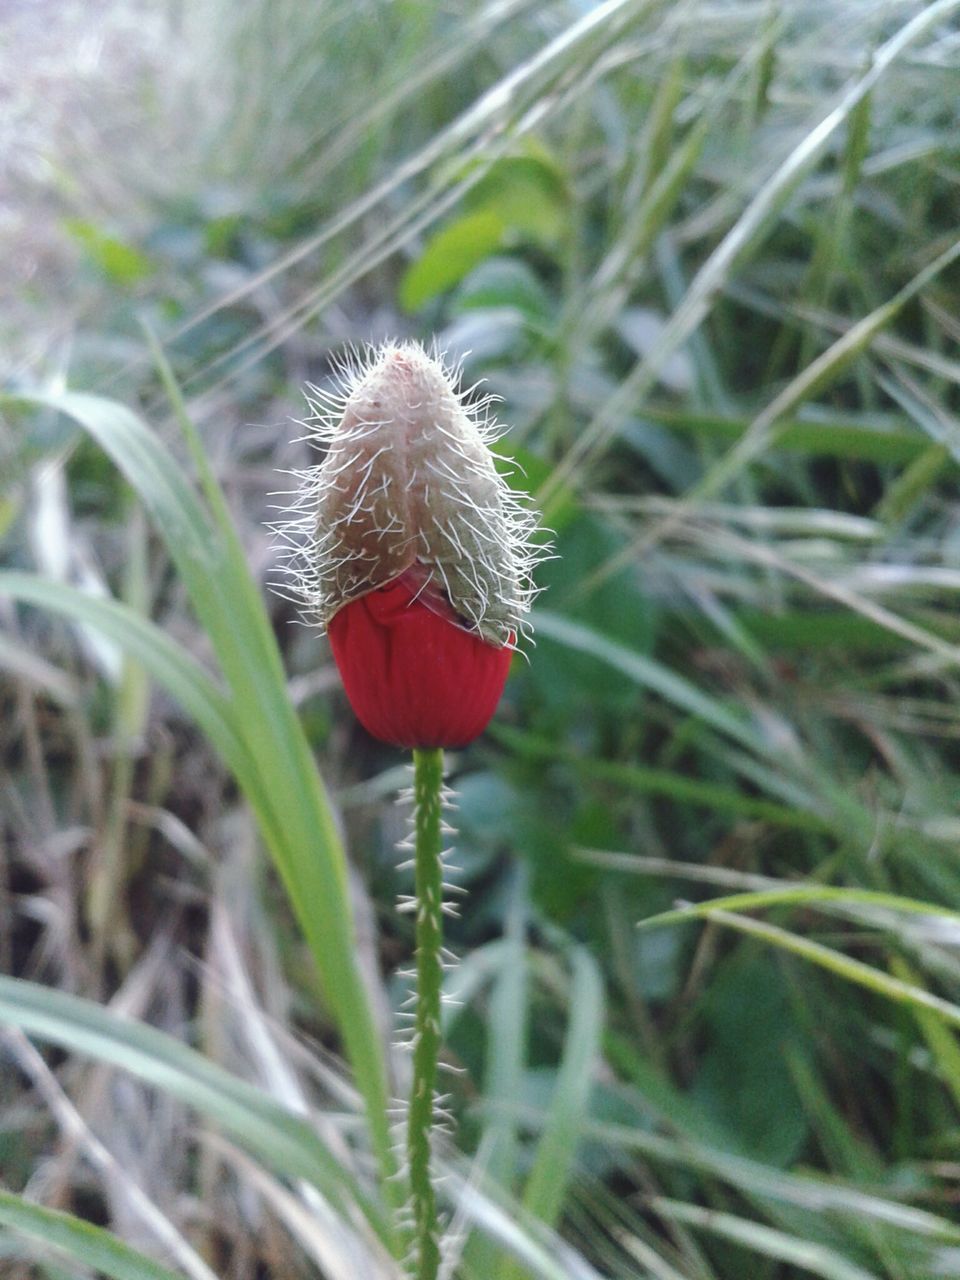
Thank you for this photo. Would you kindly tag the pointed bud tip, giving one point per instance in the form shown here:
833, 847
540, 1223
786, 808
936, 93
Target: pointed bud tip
408, 489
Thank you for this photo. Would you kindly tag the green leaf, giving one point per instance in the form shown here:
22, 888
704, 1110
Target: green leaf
85, 1244
449, 255
120, 262
527, 193
740, 1079
525, 471
611, 604
506, 282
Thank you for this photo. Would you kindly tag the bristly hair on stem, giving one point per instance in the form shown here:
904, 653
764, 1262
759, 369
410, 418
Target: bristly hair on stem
428, 873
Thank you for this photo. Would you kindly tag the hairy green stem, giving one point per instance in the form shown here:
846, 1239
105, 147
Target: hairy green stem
427, 792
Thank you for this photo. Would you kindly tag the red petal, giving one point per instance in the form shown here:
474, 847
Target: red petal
414, 677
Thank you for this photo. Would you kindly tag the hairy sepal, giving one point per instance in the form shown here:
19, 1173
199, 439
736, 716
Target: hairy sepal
408, 481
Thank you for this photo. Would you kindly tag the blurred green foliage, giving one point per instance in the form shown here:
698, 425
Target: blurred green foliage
651, 231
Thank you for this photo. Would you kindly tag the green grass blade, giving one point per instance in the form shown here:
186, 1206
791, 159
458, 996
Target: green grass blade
480, 133
856, 971
507, 1033
306, 847
833, 439
248, 1115
820, 373
651, 675
743, 238
536, 1249
682, 693
802, 895
819, 1195
170, 665
505, 1058
766, 1241
941, 1042
663, 782
82, 1242
552, 1169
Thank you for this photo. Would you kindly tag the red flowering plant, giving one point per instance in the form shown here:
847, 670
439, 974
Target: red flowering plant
409, 548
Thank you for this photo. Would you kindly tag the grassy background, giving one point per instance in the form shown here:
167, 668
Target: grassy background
705, 253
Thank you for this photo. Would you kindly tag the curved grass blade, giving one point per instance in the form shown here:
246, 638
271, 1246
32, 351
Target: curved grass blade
541, 1253
833, 439
305, 846
546, 1186
845, 966
661, 782
651, 675
252, 1118
170, 665
802, 895
85, 1244
821, 372
743, 238
549, 1178
682, 693
823, 1196
766, 1241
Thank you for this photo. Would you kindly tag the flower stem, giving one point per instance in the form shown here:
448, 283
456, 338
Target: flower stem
427, 791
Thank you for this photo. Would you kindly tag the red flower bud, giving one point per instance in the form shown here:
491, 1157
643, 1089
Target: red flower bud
414, 675
412, 551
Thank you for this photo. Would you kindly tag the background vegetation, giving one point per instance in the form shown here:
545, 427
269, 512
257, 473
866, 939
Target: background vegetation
705, 253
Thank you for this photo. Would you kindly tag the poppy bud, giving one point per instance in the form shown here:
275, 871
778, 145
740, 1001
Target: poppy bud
410, 549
